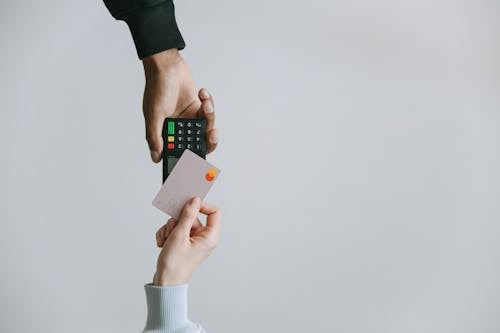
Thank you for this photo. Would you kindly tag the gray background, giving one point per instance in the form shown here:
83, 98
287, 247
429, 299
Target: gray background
360, 151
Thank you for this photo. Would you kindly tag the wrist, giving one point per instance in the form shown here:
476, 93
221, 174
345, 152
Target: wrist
161, 61
163, 279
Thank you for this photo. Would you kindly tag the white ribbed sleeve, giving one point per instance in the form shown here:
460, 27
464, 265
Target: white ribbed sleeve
167, 310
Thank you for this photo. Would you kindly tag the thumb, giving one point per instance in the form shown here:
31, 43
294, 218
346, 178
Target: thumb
160, 100
188, 215
154, 126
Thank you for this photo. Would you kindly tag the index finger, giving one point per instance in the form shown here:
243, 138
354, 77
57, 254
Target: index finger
207, 108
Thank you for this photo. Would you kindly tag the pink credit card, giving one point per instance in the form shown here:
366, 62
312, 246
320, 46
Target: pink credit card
192, 176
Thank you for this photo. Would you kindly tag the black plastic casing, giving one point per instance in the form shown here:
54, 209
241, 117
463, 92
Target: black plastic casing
181, 137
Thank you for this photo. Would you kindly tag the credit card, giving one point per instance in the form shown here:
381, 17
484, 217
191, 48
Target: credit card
192, 176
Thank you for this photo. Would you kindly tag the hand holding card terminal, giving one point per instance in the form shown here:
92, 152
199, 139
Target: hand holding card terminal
180, 134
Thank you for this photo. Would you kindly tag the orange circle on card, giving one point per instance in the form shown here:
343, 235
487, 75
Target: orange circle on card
210, 175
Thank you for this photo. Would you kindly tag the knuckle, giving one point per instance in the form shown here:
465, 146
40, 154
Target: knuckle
209, 110
189, 216
190, 212
216, 212
211, 243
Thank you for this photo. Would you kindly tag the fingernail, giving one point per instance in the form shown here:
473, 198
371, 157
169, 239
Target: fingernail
195, 200
209, 108
214, 140
205, 94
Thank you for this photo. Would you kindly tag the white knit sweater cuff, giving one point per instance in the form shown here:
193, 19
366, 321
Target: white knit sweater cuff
167, 307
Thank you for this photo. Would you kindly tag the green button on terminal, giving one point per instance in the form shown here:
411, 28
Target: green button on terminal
171, 127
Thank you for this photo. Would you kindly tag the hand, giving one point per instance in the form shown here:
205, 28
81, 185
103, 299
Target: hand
186, 243
170, 92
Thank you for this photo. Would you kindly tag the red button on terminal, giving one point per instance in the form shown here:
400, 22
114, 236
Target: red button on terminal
170, 146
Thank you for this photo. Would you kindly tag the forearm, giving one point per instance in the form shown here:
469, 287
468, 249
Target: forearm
185, 244
152, 24
167, 310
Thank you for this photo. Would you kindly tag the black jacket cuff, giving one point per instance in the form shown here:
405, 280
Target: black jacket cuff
154, 29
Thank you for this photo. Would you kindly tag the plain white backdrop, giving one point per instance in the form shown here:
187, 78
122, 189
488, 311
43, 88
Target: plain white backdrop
360, 157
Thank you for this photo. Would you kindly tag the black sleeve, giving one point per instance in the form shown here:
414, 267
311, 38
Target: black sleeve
151, 22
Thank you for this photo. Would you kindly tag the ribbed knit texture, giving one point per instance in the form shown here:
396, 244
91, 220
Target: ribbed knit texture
167, 310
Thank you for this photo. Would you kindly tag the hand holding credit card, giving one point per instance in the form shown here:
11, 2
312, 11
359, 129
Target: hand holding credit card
192, 176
